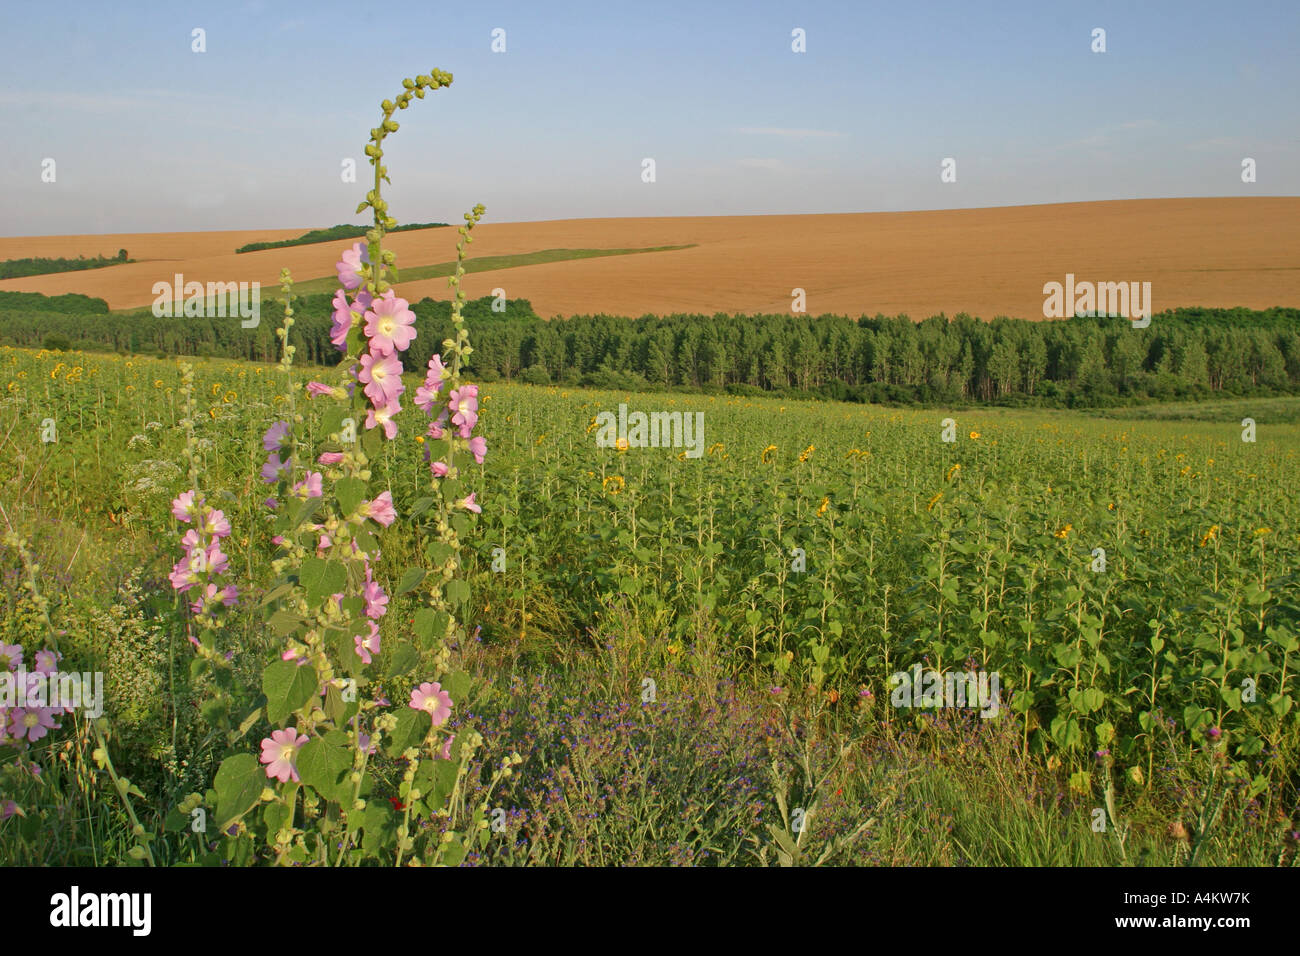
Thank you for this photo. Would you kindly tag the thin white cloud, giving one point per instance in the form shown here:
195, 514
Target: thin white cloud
787, 132
774, 165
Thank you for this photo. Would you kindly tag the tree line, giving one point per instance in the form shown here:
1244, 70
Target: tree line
1184, 353
17, 268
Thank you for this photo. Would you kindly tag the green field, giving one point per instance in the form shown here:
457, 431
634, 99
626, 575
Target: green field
770, 587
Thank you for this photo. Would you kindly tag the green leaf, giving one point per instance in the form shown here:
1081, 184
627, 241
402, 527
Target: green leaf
239, 786
402, 659
323, 765
458, 591
411, 580
350, 492
287, 687
420, 506
321, 578
283, 622
430, 626
412, 727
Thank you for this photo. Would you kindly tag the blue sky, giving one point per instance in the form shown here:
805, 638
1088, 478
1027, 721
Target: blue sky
150, 136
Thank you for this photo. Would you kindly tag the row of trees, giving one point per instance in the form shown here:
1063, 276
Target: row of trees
17, 268
1083, 360
331, 234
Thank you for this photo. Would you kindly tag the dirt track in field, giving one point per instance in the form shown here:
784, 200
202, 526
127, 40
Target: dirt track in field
987, 262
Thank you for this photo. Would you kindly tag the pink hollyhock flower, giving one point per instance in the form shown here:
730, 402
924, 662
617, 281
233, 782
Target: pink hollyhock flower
445, 753
363, 741
346, 315
273, 440
271, 504
323, 545
437, 373
376, 599
47, 662
382, 377
184, 507
432, 698
384, 416
349, 265
11, 655
275, 469
435, 427
215, 524
280, 753
369, 644
31, 722
330, 458
478, 448
183, 577
464, 402
469, 505
8, 808
389, 322
439, 469
317, 389
228, 596
277, 539
425, 397
381, 508
309, 487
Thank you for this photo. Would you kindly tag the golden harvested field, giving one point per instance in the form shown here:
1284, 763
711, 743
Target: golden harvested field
988, 262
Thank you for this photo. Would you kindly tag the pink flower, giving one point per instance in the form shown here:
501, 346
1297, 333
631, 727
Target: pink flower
382, 377
439, 469
345, 316
215, 561
11, 655
478, 448
309, 487
280, 753
330, 457
365, 646
227, 596
8, 808
31, 722
273, 440
274, 469
381, 509
389, 323
435, 427
445, 753
469, 505
432, 698
317, 389
376, 599
349, 265
271, 504
384, 416
183, 576
464, 402
47, 662
293, 655
215, 524
184, 507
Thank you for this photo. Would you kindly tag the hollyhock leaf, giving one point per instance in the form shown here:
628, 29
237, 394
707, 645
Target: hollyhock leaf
372, 442
412, 727
323, 765
275, 593
176, 822
457, 591
336, 708
366, 540
353, 606
429, 627
437, 552
402, 659
411, 580
321, 578
239, 784
331, 421
305, 512
379, 824
457, 685
420, 506
454, 853
451, 489
461, 524
275, 816
351, 492
284, 622
287, 687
